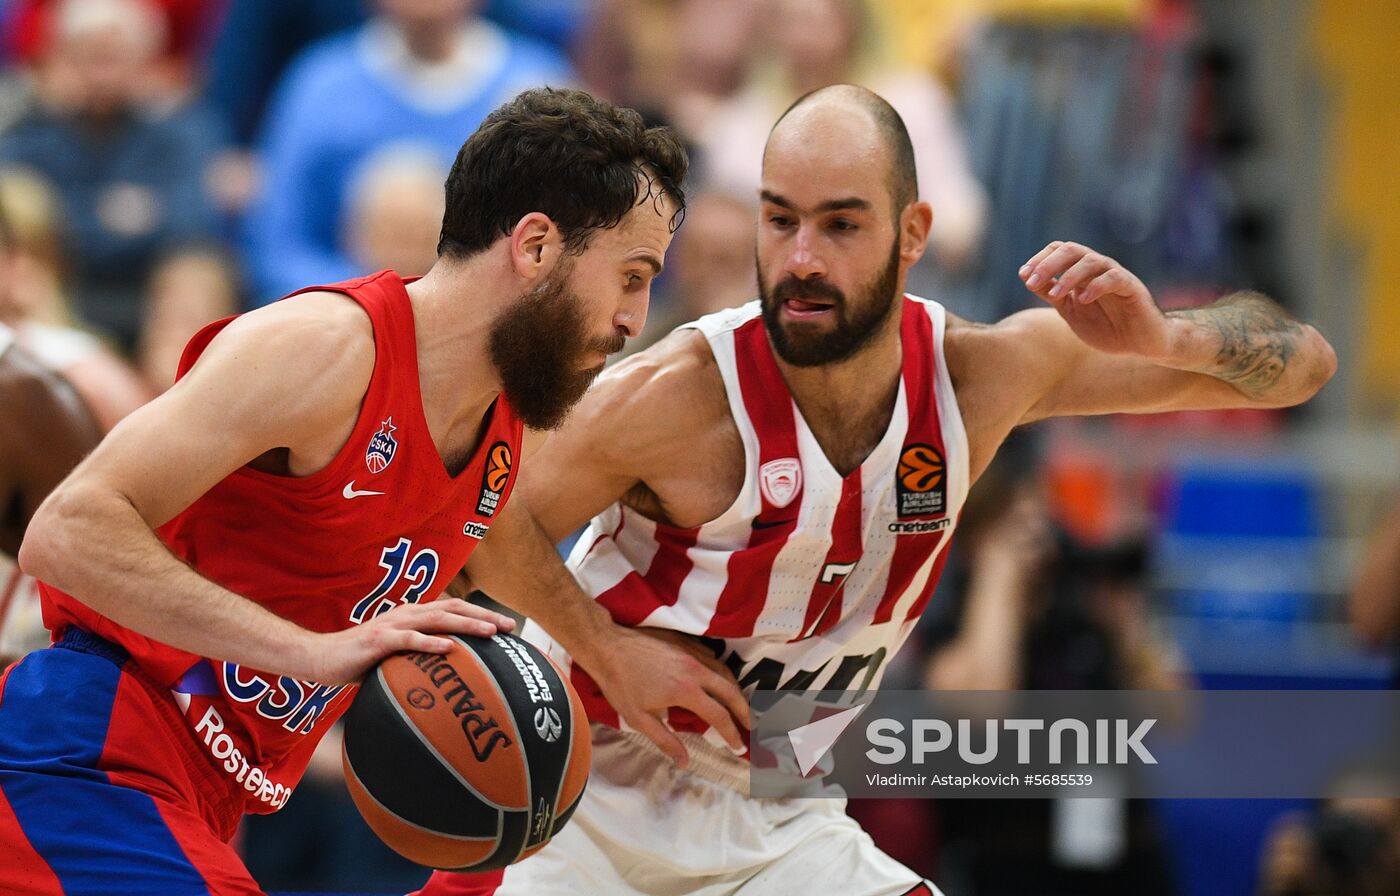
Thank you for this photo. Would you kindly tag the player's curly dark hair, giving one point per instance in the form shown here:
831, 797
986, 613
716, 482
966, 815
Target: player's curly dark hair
582, 161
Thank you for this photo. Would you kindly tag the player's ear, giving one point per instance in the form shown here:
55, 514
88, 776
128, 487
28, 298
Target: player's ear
535, 245
914, 224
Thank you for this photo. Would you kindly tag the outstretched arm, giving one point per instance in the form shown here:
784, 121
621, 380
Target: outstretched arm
1248, 341
1104, 346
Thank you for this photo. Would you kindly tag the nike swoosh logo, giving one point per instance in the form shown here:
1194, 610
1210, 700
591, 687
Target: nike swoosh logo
771, 524
351, 492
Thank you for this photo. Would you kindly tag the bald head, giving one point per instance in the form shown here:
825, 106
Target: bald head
860, 113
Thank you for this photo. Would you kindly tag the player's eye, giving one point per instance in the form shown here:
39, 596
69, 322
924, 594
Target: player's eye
843, 224
780, 221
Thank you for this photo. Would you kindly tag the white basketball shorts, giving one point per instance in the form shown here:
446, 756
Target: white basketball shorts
647, 827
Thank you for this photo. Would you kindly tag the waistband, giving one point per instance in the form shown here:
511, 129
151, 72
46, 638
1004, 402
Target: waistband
84, 641
707, 761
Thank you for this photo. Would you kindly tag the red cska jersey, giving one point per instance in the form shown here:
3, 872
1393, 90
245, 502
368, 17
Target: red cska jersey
382, 524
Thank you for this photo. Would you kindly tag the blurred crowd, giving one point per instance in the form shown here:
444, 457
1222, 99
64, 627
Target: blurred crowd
165, 163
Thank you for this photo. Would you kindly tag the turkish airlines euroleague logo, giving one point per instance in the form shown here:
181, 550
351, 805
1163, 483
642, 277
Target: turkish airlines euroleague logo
493, 481
922, 482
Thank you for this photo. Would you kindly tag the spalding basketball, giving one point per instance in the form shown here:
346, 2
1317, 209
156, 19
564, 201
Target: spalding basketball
469, 760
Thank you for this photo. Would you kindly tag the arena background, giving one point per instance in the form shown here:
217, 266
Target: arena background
166, 163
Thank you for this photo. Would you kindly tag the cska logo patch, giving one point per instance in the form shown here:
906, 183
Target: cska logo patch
493, 481
382, 447
920, 482
780, 480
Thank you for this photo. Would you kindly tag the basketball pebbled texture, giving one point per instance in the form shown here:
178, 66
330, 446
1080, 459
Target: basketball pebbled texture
468, 760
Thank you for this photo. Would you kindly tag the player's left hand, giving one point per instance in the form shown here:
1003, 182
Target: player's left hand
1103, 302
647, 672
343, 657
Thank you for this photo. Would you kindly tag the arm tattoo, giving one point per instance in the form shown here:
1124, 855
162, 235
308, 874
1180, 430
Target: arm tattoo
1258, 339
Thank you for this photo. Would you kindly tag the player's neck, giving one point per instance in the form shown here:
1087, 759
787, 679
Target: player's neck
848, 404
454, 305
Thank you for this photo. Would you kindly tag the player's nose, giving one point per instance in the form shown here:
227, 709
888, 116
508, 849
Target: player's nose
631, 316
804, 261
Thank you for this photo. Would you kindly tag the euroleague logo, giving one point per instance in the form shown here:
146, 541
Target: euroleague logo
548, 725
921, 481
493, 481
382, 447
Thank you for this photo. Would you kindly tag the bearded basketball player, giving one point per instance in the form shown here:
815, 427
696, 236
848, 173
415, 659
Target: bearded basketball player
232, 558
778, 484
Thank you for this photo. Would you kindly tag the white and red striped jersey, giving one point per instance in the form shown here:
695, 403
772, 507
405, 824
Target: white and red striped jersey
810, 580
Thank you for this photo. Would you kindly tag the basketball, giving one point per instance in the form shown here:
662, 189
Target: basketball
469, 760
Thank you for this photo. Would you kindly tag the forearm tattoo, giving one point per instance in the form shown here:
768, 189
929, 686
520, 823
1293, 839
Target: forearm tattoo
1258, 339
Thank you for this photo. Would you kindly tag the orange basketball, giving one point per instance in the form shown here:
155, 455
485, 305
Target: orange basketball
469, 760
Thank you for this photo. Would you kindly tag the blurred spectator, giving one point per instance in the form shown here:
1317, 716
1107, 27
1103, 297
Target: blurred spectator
37, 266
33, 305
1350, 848
1374, 606
422, 72
256, 41
395, 211
677, 60
131, 182
815, 43
556, 22
188, 26
711, 266
44, 432
1038, 611
710, 58
189, 290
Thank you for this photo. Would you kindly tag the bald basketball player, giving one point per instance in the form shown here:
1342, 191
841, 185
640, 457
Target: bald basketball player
45, 429
777, 485
236, 554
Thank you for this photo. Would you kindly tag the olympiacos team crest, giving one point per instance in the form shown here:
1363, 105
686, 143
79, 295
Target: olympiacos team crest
780, 480
382, 447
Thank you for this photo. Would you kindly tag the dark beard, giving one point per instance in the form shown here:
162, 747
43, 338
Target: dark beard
536, 346
805, 349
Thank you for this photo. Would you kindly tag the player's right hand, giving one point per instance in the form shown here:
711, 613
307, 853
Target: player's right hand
645, 672
345, 656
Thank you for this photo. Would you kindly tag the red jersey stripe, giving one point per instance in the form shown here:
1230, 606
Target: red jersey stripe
920, 362
636, 597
